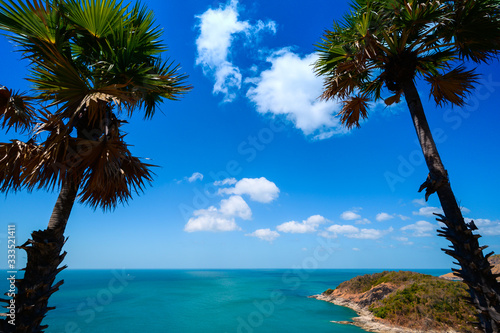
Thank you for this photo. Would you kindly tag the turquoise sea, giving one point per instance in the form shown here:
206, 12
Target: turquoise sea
208, 301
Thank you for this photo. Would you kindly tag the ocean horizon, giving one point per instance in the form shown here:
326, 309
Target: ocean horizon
201, 300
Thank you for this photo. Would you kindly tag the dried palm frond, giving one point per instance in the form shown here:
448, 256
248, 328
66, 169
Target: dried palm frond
14, 157
16, 110
353, 109
453, 86
111, 174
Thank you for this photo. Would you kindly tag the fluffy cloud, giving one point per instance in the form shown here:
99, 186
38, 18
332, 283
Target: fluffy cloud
218, 28
486, 227
222, 219
420, 229
259, 189
265, 234
210, 220
235, 206
383, 217
194, 177
306, 226
342, 229
291, 88
350, 215
350, 231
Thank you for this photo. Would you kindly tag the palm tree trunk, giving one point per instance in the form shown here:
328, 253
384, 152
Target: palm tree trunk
475, 270
44, 258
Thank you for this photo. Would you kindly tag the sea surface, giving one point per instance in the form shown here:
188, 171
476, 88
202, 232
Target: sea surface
208, 301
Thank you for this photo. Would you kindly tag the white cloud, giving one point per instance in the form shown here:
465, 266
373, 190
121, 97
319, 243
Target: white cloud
428, 211
350, 231
218, 29
294, 227
370, 233
356, 249
291, 88
419, 202
227, 181
235, 206
363, 221
383, 217
350, 215
342, 229
265, 234
420, 229
486, 227
194, 177
259, 189
210, 220
306, 226
222, 219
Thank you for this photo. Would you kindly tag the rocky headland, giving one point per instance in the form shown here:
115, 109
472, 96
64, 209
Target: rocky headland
405, 302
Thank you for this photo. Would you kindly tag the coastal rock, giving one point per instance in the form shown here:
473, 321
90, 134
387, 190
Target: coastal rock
365, 319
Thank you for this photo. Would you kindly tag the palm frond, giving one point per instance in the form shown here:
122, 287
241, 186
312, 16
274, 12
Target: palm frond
16, 110
112, 174
56, 158
164, 81
453, 86
56, 78
97, 17
353, 110
14, 157
475, 29
27, 21
396, 98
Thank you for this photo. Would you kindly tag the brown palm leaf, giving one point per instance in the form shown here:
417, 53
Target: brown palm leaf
56, 157
111, 174
353, 109
14, 157
16, 110
453, 86
396, 98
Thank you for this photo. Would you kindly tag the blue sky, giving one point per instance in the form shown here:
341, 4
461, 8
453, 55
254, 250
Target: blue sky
256, 172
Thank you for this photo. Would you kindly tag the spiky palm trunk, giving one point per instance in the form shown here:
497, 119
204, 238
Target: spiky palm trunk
475, 270
44, 257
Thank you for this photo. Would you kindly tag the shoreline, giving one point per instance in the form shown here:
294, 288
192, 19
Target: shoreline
366, 320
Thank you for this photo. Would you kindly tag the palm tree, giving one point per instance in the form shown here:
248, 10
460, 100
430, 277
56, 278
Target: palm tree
93, 62
384, 46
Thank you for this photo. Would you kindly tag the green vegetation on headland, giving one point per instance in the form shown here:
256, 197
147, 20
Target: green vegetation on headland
411, 300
